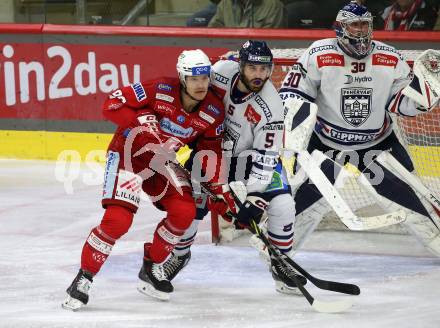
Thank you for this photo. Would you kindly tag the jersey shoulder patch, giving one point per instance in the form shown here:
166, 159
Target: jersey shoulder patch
384, 48
223, 71
139, 91
269, 103
323, 46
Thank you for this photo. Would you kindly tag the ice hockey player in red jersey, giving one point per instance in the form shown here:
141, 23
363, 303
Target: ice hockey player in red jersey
155, 118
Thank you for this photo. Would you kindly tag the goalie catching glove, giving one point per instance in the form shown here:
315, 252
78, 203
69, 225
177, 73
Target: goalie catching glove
425, 86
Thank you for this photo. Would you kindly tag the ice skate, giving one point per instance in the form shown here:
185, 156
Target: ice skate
154, 281
283, 279
78, 291
175, 264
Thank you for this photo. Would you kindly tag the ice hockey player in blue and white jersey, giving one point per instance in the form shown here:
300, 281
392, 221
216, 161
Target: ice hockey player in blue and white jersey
253, 137
356, 82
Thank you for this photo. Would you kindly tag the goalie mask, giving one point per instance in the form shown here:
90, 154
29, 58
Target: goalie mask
354, 29
192, 63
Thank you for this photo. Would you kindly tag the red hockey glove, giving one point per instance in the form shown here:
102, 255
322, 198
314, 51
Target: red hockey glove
224, 203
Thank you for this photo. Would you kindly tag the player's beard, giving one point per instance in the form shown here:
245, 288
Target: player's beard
254, 85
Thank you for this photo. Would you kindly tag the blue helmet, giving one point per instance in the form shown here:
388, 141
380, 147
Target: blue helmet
354, 29
255, 52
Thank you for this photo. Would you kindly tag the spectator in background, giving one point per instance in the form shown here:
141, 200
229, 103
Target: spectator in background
249, 13
437, 24
201, 18
312, 13
321, 13
405, 15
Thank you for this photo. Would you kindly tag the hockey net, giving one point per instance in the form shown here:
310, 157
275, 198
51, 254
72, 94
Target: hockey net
420, 135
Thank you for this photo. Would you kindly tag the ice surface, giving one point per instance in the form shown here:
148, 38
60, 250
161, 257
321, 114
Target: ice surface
42, 230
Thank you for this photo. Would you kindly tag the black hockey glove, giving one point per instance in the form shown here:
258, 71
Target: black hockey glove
252, 209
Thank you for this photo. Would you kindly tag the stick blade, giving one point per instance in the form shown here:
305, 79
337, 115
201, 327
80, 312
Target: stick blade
333, 307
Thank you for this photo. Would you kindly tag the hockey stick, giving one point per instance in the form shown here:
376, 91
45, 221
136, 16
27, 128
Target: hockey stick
343, 211
289, 263
317, 305
386, 158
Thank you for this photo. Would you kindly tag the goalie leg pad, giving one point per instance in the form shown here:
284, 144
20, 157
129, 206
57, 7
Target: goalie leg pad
394, 189
307, 221
425, 231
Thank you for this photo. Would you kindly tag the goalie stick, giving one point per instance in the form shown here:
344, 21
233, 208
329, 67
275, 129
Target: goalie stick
343, 211
299, 122
290, 265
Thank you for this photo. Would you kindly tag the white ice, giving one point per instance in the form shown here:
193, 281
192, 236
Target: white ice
43, 228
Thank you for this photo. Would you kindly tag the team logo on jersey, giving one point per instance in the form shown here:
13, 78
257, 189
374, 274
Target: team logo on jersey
164, 87
330, 60
356, 105
164, 97
264, 107
384, 60
220, 78
251, 115
181, 119
175, 129
139, 91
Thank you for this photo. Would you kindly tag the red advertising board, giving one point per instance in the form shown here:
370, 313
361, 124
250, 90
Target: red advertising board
69, 81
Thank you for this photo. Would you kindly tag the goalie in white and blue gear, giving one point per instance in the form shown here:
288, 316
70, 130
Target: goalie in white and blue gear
356, 83
253, 138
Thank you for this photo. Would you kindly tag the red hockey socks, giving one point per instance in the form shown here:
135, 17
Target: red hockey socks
115, 223
164, 240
